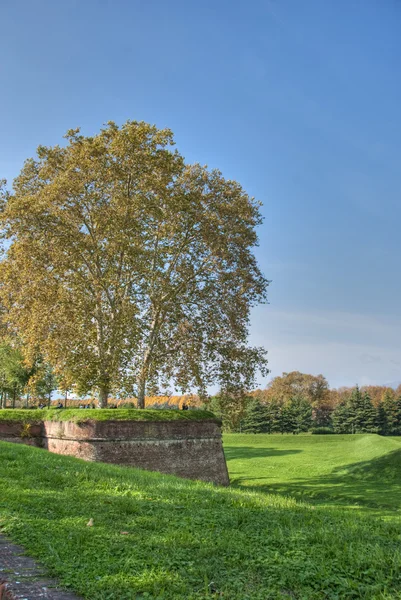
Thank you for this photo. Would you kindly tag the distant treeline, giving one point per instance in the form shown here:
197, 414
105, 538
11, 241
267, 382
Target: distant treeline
298, 402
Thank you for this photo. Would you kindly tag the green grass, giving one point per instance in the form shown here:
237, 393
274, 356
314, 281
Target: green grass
357, 471
80, 415
157, 536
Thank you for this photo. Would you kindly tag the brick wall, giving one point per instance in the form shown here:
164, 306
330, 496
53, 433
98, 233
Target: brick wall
191, 449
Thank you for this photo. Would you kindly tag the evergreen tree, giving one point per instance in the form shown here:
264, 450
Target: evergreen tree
256, 419
297, 415
341, 418
285, 422
356, 413
397, 415
389, 409
382, 424
322, 415
369, 416
273, 413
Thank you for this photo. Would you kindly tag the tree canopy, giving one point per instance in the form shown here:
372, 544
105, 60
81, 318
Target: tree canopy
128, 269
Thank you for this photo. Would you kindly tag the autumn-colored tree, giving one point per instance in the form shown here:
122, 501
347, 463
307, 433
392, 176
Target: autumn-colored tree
128, 268
230, 406
295, 384
377, 393
313, 388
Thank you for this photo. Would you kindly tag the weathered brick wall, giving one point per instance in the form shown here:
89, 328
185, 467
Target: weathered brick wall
14, 431
191, 449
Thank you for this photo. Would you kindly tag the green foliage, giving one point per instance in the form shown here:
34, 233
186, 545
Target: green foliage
14, 374
340, 418
45, 384
322, 431
129, 269
156, 536
230, 407
296, 416
389, 415
256, 418
79, 415
356, 414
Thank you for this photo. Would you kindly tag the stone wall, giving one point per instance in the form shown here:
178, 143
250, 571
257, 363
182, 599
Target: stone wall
22, 433
191, 449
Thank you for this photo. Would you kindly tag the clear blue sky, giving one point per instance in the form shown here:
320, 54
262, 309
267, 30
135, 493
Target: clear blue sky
299, 101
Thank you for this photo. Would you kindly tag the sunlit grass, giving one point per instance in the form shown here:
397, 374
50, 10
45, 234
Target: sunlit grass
338, 470
106, 414
157, 536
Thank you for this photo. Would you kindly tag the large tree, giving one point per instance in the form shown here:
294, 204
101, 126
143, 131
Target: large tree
128, 268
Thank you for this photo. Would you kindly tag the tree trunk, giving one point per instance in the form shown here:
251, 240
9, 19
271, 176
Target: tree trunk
49, 400
14, 395
65, 399
103, 396
141, 392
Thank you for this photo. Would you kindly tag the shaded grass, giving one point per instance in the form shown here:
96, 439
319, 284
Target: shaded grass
360, 471
79, 415
157, 536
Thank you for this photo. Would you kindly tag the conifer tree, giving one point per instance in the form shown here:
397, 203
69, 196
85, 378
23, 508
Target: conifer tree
382, 424
341, 418
300, 414
397, 419
369, 416
273, 412
389, 408
256, 419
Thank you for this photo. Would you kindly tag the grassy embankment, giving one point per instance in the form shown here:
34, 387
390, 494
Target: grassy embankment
358, 471
157, 536
107, 414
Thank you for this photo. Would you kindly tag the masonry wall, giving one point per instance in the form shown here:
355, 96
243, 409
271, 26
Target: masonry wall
191, 449
22, 433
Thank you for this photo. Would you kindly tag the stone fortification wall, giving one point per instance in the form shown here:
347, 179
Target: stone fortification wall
22, 433
191, 449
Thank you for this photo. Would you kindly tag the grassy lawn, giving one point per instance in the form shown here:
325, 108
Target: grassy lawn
360, 471
79, 415
157, 536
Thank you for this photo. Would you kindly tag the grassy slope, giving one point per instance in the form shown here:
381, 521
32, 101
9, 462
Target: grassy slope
359, 470
119, 414
157, 536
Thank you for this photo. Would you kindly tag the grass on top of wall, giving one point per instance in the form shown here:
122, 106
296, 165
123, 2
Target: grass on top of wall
79, 415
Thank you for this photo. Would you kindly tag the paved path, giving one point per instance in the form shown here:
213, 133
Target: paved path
25, 579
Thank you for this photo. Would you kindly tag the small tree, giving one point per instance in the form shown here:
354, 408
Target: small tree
14, 373
230, 406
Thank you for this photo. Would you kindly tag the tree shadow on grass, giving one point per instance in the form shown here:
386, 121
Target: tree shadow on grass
373, 483
161, 537
248, 452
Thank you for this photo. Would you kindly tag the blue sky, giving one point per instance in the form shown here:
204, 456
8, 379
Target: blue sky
298, 101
